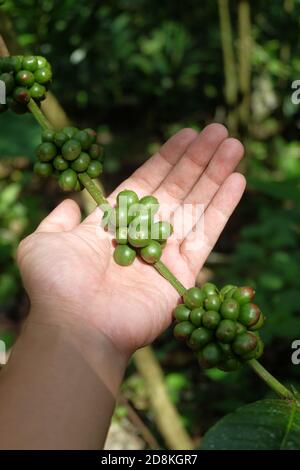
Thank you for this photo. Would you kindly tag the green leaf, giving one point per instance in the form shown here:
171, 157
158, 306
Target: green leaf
288, 189
263, 425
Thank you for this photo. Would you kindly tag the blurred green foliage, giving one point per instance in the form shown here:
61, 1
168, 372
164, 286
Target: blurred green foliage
138, 70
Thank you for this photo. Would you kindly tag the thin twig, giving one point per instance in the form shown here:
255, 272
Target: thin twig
139, 424
166, 416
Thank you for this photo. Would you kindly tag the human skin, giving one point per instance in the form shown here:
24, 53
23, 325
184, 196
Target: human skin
88, 314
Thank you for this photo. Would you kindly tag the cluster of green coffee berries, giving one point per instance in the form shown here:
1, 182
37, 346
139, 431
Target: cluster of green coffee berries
220, 326
24, 77
132, 221
67, 153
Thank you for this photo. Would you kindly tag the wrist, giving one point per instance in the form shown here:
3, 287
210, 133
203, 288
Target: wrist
61, 383
61, 330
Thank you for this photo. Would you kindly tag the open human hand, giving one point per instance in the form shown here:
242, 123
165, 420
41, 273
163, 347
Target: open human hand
67, 265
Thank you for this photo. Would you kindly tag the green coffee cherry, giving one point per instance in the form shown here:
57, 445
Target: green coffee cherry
211, 319
181, 313
70, 131
71, 150
243, 295
84, 139
121, 216
199, 338
60, 138
5, 64
249, 315
193, 297
212, 302
95, 151
196, 316
122, 235
94, 169
152, 252
144, 219
25, 78
11, 63
161, 231
226, 289
46, 151
43, 75
48, 135
150, 203
124, 255
37, 91
128, 197
226, 331
68, 180
230, 292
21, 95
210, 356
30, 63
240, 328
259, 324
226, 349
41, 61
183, 330
256, 353
60, 163
16, 62
139, 237
81, 163
245, 343
230, 309
209, 289
92, 133
43, 169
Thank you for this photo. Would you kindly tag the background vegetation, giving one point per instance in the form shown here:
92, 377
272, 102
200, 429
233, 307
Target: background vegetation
138, 70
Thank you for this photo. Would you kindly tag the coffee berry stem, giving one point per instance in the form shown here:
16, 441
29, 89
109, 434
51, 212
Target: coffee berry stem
270, 380
93, 190
39, 115
169, 276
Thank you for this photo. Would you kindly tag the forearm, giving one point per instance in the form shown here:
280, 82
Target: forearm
58, 389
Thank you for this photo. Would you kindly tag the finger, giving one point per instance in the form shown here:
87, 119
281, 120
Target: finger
191, 165
199, 242
63, 218
223, 163
150, 175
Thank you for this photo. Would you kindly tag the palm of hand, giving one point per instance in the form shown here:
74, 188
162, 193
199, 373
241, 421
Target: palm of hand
70, 266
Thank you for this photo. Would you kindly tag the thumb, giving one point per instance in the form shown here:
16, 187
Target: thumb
63, 218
